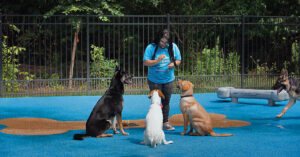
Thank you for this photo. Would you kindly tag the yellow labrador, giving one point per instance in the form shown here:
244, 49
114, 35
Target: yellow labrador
194, 113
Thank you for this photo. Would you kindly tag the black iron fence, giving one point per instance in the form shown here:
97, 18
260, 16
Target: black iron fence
76, 55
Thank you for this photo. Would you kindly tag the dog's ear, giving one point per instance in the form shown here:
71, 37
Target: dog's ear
192, 85
185, 86
117, 68
150, 94
179, 82
284, 74
161, 94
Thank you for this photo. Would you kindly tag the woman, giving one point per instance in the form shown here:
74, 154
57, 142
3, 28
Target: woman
161, 57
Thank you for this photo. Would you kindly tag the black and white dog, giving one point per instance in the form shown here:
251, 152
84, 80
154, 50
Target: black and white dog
291, 85
109, 106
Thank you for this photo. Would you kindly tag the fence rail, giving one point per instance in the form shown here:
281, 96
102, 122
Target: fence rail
76, 55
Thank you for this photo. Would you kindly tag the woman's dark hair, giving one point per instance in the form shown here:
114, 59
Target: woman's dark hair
164, 34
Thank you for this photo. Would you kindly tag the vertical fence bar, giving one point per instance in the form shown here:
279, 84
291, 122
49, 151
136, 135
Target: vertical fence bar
243, 51
1, 70
87, 55
168, 21
23, 57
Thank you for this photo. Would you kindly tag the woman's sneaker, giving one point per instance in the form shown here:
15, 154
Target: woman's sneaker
167, 126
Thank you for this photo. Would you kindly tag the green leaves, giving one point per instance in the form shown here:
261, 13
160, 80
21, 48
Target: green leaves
296, 56
213, 62
11, 65
92, 7
14, 28
100, 66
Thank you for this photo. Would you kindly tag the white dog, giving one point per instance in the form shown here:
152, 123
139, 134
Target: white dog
154, 134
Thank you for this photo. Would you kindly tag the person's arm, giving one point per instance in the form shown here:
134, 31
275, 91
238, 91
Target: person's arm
176, 55
154, 62
178, 62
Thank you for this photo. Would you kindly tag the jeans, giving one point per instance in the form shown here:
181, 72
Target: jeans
166, 89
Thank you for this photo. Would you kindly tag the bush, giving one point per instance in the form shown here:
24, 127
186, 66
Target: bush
215, 62
100, 66
10, 67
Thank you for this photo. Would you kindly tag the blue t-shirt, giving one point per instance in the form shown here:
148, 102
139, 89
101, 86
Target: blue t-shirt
160, 73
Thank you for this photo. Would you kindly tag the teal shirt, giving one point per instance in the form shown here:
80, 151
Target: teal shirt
160, 73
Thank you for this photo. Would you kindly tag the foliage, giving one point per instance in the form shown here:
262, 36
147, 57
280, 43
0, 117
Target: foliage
217, 7
211, 62
262, 68
154, 7
94, 7
10, 67
83, 7
101, 67
296, 56
214, 62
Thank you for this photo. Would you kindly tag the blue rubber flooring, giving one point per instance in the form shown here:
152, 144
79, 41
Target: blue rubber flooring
266, 136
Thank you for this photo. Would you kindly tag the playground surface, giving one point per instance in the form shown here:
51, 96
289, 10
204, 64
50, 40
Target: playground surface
265, 136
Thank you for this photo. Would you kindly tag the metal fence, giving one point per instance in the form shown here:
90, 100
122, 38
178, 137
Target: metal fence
76, 55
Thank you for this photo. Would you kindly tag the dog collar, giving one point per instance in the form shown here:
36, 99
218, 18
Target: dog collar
186, 96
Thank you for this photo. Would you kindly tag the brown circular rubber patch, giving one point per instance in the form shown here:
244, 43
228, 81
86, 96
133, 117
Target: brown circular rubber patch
39, 126
218, 121
44, 126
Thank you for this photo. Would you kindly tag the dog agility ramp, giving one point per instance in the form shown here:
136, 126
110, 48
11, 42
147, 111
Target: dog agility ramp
234, 94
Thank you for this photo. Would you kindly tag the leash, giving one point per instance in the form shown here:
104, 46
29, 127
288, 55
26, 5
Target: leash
186, 96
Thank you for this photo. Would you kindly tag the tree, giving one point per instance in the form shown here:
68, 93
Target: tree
78, 7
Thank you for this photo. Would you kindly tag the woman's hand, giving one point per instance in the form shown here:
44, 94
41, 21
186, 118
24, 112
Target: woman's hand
160, 58
171, 65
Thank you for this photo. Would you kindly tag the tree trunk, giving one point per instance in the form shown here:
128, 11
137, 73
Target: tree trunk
73, 56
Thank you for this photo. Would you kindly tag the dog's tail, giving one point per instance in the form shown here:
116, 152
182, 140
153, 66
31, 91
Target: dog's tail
220, 135
80, 136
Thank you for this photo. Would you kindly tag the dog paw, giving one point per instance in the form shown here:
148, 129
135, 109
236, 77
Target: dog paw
279, 116
125, 133
190, 133
170, 142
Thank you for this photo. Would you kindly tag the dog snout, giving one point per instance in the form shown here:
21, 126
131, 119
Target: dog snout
178, 83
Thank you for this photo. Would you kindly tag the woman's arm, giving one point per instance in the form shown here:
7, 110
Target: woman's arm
178, 62
150, 62
154, 62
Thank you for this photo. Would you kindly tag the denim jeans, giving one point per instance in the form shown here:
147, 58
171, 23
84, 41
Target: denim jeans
166, 89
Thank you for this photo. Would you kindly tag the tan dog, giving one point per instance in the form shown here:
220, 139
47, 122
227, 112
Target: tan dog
194, 113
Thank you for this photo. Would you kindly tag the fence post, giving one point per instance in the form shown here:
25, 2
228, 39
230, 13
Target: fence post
1, 68
243, 51
88, 54
168, 21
